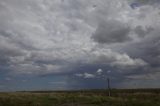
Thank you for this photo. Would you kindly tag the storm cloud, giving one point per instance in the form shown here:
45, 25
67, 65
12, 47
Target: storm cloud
112, 31
74, 38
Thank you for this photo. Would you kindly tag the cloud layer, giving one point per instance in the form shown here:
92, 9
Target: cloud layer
112, 32
39, 37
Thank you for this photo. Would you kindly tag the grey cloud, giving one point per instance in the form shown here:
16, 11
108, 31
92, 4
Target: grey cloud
99, 71
147, 48
41, 37
21, 34
141, 32
151, 48
146, 2
85, 75
115, 59
112, 32
50, 37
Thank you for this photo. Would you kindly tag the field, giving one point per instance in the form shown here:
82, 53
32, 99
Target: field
119, 97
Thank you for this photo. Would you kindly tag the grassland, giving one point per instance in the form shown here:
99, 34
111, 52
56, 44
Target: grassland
134, 97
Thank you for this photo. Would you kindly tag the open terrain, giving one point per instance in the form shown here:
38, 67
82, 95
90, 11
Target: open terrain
123, 97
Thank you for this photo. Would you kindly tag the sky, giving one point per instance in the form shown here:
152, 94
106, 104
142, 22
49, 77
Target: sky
77, 44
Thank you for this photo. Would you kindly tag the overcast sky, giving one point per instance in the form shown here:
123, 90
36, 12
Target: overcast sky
76, 44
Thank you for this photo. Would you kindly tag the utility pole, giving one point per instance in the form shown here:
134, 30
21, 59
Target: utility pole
109, 89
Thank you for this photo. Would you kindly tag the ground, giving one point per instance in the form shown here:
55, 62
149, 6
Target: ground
127, 97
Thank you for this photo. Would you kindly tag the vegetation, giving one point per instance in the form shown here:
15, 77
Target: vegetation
123, 97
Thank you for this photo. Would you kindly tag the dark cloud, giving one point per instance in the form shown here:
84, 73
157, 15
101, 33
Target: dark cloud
146, 2
151, 48
50, 37
148, 50
111, 31
141, 32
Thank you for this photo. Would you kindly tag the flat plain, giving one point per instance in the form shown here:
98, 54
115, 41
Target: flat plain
119, 97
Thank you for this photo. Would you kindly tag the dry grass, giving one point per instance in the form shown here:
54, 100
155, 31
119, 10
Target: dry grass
82, 98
